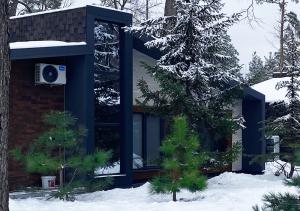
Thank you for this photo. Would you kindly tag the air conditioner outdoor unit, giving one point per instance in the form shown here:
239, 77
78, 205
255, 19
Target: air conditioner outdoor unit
50, 74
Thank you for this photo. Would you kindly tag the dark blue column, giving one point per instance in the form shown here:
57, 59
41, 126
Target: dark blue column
253, 135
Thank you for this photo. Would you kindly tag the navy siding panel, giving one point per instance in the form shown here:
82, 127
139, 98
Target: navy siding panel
253, 135
48, 52
77, 98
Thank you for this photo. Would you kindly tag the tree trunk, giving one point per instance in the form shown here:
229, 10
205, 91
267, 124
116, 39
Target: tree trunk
4, 103
174, 196
282, 21
13, 7
147, 9
61, 177
291, 171
170, 8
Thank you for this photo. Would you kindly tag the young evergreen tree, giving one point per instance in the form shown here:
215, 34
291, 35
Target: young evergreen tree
195, 73
257, 70
288, 125
271, 64
60, 148
180, 161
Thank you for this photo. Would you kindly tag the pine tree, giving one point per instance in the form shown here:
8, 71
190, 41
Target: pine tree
180, 162
271, 64
257, 70
288, 126
60, 148
195, 73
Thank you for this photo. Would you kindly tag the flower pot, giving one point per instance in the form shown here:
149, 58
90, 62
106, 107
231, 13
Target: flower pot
48, 182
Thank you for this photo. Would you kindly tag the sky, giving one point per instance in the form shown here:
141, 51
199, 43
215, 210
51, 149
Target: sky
259, 36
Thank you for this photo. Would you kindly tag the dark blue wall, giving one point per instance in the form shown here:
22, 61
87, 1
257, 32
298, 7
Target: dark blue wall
78, 98
253, 135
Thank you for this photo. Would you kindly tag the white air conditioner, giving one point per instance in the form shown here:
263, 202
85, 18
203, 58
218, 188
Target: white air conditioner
50, 74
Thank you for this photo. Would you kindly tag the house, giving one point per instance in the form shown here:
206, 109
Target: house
102, 65
273, 95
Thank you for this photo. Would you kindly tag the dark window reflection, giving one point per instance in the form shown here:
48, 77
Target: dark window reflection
107, 89
153, 140
137, 141
146, 141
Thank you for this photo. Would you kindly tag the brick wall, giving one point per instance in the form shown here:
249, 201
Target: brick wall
68, 26
28, 103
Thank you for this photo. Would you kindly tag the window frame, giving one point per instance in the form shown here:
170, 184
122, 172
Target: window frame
144, 140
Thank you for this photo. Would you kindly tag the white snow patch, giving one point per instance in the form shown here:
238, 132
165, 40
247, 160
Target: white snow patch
43, 44
268, 88
226, 192
113, 169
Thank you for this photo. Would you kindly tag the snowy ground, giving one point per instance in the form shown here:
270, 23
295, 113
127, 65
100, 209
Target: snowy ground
229, 191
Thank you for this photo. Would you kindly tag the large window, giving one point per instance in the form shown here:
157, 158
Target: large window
146, 141
107, 92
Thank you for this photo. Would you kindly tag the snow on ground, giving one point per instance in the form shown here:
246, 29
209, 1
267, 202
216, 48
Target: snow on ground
228, 191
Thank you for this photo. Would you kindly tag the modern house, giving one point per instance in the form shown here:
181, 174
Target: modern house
95, 78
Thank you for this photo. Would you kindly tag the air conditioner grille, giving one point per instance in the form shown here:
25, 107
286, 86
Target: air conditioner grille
50, 74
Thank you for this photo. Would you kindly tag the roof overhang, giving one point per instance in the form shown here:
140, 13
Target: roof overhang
139, 45
251, 94
47, 52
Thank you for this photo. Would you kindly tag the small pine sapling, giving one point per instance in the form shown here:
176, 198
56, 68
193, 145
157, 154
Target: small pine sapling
59, 151
181, 162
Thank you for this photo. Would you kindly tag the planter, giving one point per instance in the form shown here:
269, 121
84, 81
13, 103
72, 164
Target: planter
48, 182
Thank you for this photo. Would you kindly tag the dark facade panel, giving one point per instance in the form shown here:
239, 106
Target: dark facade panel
48, 52
253, 134
66, 25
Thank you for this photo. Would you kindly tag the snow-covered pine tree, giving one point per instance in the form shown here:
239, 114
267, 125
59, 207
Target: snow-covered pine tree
257, 71
191, 47
180, 161
271, 64
232, 61
195, 71
288, 126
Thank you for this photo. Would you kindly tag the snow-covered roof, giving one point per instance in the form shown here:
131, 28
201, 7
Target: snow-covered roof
268, 88
43, 44
81, 5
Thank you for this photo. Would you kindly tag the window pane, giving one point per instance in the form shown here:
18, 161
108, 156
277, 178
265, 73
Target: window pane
107, 72
137, 141
153, 140
107, 92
